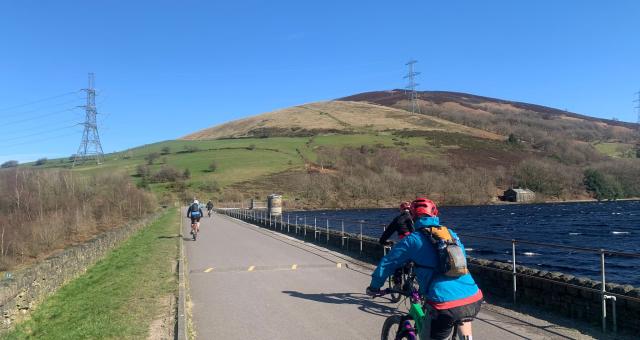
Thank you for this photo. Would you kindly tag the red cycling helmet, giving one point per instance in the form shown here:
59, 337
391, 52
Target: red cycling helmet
405, 206
423, 206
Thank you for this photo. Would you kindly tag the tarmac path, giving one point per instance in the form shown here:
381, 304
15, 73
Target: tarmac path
247, 282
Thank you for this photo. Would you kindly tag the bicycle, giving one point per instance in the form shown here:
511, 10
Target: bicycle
416, 323
194, 230
209, 213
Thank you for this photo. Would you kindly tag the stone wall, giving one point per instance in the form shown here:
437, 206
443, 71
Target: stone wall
22, 290
575, 297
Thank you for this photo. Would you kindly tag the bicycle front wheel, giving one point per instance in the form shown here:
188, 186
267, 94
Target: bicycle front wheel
395, 295
398, 327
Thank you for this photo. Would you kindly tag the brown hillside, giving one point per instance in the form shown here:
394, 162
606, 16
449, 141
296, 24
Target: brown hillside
397, 98
333, 117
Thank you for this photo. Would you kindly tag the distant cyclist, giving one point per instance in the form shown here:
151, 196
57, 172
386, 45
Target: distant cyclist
194, 212
209, 207
401, 224
440, 269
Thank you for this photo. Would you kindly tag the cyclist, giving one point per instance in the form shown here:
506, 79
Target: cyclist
455, 300
194, 212
209, 207
403, 225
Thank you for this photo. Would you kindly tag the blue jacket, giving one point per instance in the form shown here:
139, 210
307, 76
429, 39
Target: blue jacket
418, 248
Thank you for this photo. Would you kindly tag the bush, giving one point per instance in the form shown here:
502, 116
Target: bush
39, 162
166, 173
213, 166
152, 157
602, 186
9, 164
186, 174
143, 171
165, 150
210, 186
191, 148
57, 207
251, 147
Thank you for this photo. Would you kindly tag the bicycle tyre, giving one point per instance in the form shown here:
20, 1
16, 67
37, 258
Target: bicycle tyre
195, 235
400, 333
395, 296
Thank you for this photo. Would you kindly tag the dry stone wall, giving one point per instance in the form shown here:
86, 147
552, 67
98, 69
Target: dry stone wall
22, 290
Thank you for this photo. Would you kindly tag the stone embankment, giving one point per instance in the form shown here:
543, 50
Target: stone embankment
22, 290
575, 297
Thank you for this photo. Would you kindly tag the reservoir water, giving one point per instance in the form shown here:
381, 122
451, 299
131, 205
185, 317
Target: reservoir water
612, 226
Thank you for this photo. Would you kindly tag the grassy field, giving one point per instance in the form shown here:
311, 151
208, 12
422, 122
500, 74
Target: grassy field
119, 297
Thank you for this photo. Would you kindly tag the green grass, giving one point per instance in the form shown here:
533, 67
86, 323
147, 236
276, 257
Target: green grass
119, 296
614, 149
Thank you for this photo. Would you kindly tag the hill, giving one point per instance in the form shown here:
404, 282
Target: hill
343, 117
440, 100
366, 150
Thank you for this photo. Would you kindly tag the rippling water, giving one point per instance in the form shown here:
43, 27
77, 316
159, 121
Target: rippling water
607, 225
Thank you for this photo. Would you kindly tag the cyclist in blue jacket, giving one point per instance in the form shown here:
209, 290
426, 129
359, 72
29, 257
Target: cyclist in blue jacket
456, 300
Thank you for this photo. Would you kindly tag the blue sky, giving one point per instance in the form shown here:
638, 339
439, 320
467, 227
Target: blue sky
167, 68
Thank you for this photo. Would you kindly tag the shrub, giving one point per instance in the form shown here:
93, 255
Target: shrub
165, 150
210, 186
9, 164
52, 208
39, 162
143, 171
213, 166
191, 148
152, 157
601, 186
166, 173
186, 174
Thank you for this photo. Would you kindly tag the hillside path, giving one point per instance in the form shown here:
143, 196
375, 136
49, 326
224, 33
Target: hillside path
246, 282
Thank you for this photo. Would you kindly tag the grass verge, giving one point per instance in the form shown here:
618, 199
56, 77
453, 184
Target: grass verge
119, 297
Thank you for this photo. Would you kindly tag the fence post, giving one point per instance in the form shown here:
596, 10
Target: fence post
296, 216
513, 254
327, 231
603, 293
305, 227
342, 235
288, 225
315, 228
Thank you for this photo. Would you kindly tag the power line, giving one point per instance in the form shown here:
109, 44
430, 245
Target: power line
90, 146
40, 140
411, 86
39, 133
54, 113
22, 113
37, 101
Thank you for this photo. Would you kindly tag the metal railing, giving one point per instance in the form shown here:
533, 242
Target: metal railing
262, 217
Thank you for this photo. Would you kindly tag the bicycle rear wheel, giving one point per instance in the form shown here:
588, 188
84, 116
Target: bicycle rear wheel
398, 327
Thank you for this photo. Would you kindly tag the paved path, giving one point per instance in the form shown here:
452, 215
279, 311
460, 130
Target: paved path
246, 282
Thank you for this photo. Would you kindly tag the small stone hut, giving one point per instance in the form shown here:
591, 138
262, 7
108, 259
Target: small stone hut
519, 195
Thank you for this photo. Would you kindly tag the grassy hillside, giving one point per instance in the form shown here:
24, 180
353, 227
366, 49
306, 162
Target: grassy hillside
314, 152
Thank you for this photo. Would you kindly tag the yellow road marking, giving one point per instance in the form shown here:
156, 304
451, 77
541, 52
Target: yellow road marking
339, 265
208, 270
294, 267
251, 268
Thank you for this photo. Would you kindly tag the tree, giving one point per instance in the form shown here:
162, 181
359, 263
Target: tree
165, 150
152, 157
512, 139
40, 161
9, 164
143, 171
601, 185
213, 166
186, 174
